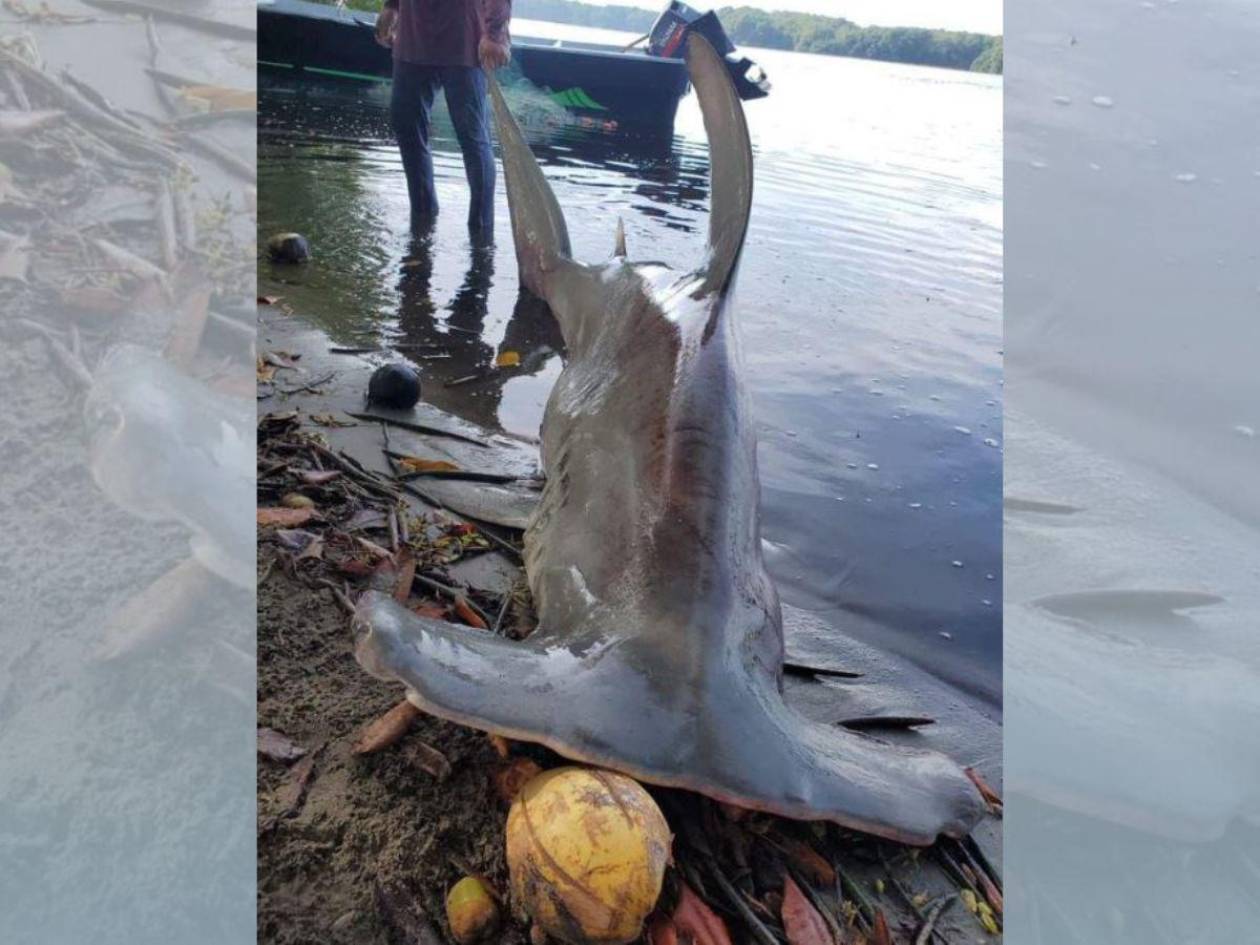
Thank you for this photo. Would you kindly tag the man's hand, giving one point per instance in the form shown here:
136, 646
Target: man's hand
493, 55
386, 23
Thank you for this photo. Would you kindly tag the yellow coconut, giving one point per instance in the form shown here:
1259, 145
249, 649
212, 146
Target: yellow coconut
586, 851
470, 911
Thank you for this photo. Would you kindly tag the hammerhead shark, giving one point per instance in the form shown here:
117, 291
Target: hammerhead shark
659, 649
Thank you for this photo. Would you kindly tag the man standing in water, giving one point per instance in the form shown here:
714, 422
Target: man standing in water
444, 43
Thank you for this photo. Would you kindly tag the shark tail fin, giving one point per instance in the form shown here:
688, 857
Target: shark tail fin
538, 227
731, 162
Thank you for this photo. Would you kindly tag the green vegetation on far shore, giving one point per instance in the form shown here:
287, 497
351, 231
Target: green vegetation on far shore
802, 32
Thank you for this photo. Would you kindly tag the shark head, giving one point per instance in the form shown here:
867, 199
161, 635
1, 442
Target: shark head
543, 250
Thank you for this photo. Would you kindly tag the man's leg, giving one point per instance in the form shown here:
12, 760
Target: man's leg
470, 114
410, 105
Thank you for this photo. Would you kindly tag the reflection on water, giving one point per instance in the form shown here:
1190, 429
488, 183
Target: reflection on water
869, 302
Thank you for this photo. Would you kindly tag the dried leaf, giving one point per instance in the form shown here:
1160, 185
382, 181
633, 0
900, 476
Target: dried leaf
278, 747
406, 563
269, 299
373, 548
318, 477
387, 730
129, 262
991, 797
294, 793
7, 187
15, 122
801, 922
879, 930
15, 258
416, 464
989, 923
354, 567
289, 518
806, 859
509, 778
430, 760
314, 550
328, 420
430, 610
294, 539
282, 359
468, 615
990, 892
264, 371
218, 98
502, 747
508, 359
692, 922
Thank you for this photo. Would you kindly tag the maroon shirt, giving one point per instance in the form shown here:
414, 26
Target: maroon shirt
446, 32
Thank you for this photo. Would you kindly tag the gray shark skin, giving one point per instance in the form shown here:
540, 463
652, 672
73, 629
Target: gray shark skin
659, 650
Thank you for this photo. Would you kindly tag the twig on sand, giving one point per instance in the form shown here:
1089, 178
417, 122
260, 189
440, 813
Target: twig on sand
417, 428
503, 609
755, 926
75, 368
866, 909
454, 594
206, 119
346, 604
934, 914
310, 387
386, 730
155, 63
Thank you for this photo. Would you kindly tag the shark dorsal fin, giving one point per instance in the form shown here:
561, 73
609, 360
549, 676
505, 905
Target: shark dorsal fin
730, 160
538, 227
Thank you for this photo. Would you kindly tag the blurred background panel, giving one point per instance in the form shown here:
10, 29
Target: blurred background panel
1132, 663
127, 137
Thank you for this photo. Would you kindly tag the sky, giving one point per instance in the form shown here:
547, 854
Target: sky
982, 16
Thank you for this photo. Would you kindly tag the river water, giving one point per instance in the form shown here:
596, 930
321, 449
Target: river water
869, 302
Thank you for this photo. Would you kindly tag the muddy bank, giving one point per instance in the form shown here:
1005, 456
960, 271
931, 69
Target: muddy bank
366, 822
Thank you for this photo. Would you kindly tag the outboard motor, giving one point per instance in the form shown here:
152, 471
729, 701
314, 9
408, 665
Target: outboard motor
670, 30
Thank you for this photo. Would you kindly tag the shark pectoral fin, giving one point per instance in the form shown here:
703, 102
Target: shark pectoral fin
538, 227
730, 159
459, 673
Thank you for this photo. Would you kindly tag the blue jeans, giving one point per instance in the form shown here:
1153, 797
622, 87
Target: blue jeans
410, 106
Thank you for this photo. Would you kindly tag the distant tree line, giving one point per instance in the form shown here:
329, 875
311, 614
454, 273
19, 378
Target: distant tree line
803, 32
834, 36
